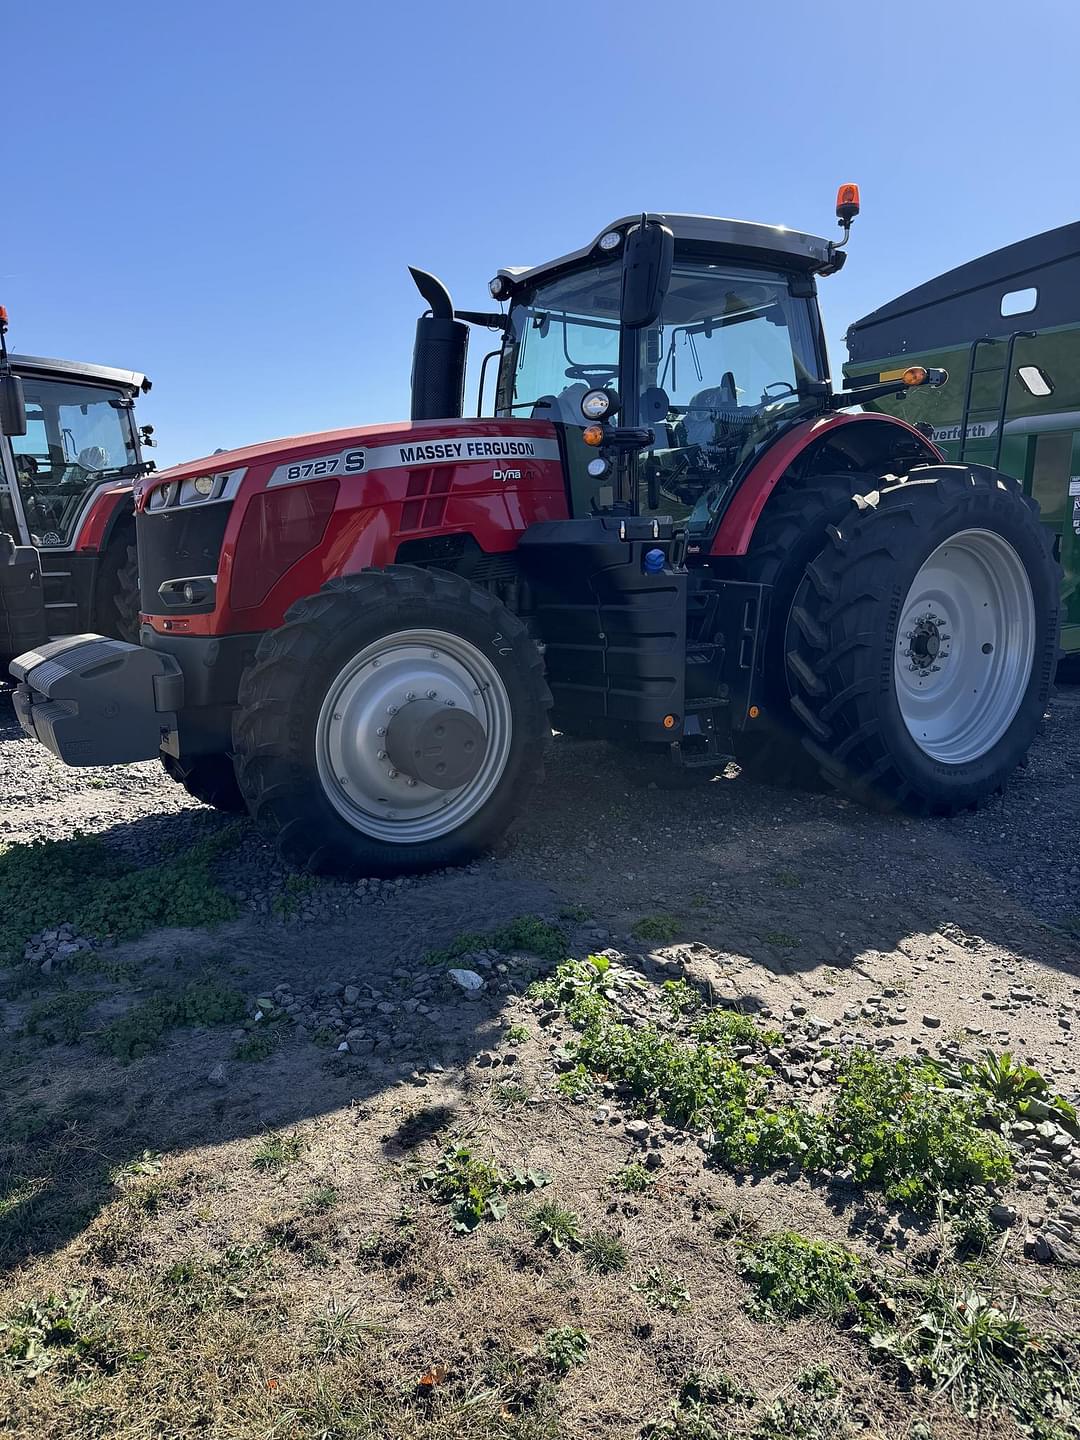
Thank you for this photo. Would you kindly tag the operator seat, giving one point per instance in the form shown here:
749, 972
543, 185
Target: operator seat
705, 409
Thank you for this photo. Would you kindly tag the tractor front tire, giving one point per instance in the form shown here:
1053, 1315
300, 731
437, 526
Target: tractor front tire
117, 592
923, 641
397, 721
208, 778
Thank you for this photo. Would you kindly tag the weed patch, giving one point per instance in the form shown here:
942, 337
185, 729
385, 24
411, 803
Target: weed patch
792, 1276
657, 929
60, 1018
603, 1254
566, 1348
201, 1002
475, 1188
84, 881
64, 1331
527, 932
555, 1227
663, 1290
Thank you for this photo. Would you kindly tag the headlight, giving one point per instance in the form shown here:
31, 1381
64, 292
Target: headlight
611, 240
597, 467
500, 288
595, 404
203, 485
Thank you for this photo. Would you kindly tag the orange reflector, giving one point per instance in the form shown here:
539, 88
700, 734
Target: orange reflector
754, 712
914, 375
3, 315
593, 434
847, 201
670, 721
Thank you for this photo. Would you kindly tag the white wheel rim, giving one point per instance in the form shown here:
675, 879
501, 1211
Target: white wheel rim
965, 646
357, 776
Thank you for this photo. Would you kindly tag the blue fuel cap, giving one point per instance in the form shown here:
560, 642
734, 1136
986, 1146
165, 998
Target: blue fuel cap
653, 562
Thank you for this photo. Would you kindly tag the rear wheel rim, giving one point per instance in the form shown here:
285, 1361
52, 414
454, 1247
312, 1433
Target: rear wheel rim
357, 775
965, 647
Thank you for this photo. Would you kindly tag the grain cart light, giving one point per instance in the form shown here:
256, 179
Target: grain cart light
593, 434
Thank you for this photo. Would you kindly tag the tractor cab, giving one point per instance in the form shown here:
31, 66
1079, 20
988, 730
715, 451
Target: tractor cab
69, 454
724, 350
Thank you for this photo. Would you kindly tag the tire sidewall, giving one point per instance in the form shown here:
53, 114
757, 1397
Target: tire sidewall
999, 512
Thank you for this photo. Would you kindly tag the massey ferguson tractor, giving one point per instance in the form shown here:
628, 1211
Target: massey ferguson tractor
670, 533
68, 456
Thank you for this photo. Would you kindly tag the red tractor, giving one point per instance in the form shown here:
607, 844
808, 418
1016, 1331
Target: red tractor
69, 453
670, 534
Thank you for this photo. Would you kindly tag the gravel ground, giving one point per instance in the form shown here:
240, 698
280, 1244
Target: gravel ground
839, 926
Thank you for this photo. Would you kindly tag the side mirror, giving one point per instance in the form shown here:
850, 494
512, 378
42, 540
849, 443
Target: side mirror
646, 274
12, 405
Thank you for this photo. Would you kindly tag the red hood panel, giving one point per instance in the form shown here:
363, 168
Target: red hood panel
400, 432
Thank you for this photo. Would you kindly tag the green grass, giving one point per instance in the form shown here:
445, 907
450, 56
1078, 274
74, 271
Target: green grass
527, 933
205, 1001
603, 1254
555, 1227
518, 1034
87, 883
657, 929
277, 1151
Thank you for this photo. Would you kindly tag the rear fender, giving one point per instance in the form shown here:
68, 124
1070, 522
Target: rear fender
863, 440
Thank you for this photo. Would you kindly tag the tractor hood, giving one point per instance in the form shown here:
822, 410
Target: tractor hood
398, 445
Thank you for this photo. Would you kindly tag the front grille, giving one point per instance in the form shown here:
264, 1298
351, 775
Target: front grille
176, 544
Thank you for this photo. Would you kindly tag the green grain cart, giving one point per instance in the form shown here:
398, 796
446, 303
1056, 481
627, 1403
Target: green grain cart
1007, 329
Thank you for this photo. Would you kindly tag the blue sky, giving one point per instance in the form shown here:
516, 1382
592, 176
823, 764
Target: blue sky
227, 195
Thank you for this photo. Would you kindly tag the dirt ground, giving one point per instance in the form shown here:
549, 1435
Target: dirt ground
278, 1266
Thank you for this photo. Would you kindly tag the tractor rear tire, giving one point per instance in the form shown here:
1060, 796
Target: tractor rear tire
790, 532
209, 778
320, 763
924, 641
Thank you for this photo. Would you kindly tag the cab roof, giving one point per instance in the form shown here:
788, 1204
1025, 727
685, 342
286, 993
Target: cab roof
706, 234
76, 370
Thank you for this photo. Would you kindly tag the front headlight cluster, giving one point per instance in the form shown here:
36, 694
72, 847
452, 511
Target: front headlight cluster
599, 404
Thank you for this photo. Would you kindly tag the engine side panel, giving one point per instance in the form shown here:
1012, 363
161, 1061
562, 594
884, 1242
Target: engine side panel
487, 479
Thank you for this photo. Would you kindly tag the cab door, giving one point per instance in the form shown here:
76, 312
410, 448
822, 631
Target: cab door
12, 517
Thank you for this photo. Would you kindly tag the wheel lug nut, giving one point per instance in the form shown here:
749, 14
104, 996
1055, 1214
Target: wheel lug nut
392, 774
381, 755
391, 709
410, 695
411, 784
381, 730
431, 694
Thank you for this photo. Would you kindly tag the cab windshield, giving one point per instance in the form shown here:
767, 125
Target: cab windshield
718, 374
77, 437
564, 341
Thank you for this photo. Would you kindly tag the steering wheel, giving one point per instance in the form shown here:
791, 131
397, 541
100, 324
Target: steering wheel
591, 372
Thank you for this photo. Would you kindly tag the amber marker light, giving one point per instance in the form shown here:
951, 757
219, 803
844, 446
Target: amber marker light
914, 375
593, 434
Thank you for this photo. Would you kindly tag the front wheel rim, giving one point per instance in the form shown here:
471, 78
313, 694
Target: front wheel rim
357, 775
965, 647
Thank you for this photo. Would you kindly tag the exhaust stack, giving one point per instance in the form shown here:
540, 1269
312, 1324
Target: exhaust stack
438, 370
